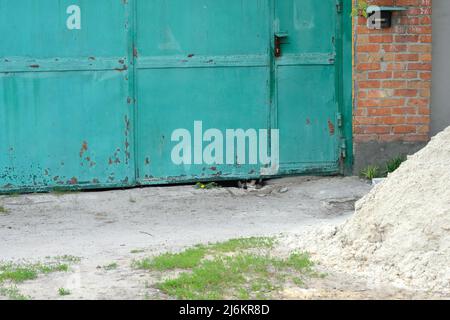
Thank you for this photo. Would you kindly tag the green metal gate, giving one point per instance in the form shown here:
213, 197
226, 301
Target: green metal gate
92, 92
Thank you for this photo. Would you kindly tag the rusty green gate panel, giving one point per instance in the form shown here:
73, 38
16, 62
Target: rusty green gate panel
114, 93
307, 85
65, 115
199, 61
253, 64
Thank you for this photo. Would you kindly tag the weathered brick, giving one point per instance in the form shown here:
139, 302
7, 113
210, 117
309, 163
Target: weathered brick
393, 73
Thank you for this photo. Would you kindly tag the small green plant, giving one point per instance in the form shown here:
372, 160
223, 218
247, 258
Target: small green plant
67, 258
13, 194
300, 262
360, 9
394, 164
136, 251
207, 186
111, 266
371, 172
3, 210
12, 293
64, 292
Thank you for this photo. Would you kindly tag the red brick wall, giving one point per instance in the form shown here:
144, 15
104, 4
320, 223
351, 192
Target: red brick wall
393, 76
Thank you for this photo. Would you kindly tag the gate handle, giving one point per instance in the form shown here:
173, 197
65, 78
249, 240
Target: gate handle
278, 37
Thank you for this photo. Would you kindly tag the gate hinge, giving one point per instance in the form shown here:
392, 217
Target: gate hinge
339, 120
339, 7
343, 148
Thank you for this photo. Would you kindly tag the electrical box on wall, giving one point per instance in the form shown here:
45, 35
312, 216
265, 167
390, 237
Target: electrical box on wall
381, 17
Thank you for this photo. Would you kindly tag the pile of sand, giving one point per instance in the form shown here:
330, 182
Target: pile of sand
400, 232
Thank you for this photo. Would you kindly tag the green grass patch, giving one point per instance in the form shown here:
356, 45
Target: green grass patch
3, 210
192, 257
236, 269
64, 292
299, 262
170, 261
242, 276
12, 293
243, 244
223, 277
18, 273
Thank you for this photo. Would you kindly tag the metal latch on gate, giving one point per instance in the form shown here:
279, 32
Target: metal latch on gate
279, 36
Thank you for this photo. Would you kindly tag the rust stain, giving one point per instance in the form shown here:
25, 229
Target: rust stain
115, 158
331, 128
124, 68
84, 148
73, 181
127, 125
127, 143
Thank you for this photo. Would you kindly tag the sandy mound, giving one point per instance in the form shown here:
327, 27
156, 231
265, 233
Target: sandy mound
400, 232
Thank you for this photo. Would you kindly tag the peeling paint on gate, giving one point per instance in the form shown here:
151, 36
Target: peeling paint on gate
64, 95
98, 111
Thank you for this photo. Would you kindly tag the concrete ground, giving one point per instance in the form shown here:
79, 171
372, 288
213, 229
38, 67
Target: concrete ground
111, 223
106, 227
